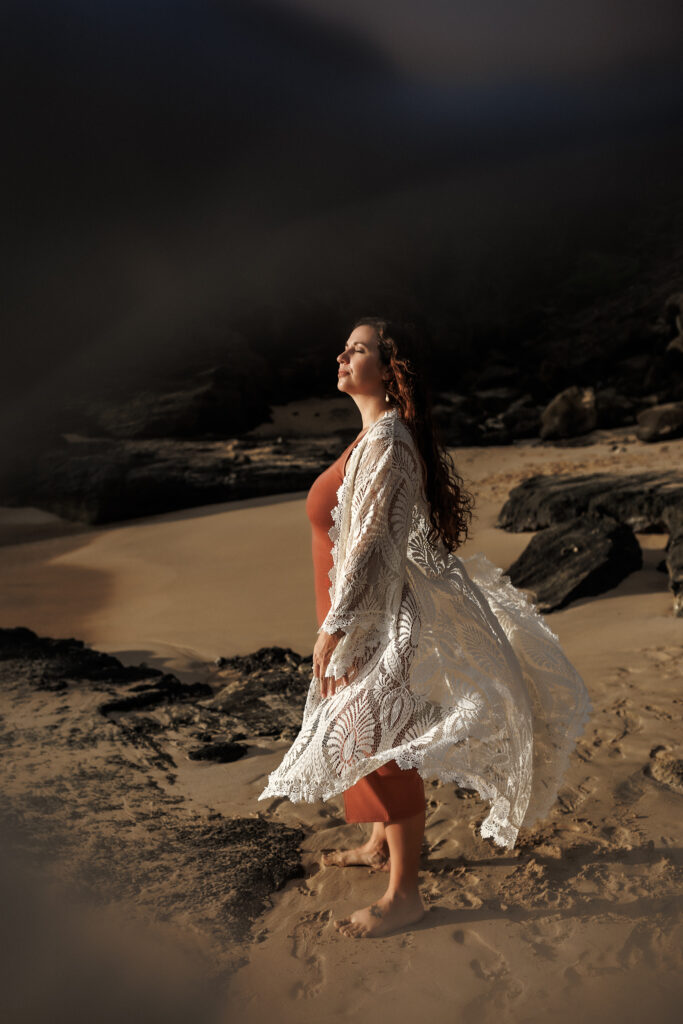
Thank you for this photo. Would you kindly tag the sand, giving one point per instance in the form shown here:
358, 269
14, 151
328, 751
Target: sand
582, 917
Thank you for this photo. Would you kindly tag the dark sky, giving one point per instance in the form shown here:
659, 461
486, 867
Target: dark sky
456, 40
176, 166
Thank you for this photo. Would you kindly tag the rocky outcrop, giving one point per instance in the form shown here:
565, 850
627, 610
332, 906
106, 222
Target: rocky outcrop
263, 693
456, 420
644, 501
220, 400
186, 442
673, 314
614, 409
660, 422
674, 556
570, 413
626, 339
580, 558
486, 416
105, 480
89, 751
579, 549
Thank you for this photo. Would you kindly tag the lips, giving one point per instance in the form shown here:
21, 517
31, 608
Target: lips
343, 373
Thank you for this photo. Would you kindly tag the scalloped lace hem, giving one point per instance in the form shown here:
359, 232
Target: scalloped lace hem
495, 826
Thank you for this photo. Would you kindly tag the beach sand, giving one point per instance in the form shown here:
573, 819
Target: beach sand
582, 917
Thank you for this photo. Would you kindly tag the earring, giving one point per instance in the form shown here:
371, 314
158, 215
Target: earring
386, 396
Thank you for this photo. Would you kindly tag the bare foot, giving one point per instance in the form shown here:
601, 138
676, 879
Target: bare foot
371, 855
386, 915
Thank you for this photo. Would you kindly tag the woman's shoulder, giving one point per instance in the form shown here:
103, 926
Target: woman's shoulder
391, 428
390, 440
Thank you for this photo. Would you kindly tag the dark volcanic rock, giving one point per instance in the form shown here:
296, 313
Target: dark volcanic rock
661, 422
266, 691
96, 796
222, 753
103, 480
455, 418
585, 556
243, 860
48, 664
674, 557
486, 417
522, 418
625, 337
259, 694
164, 690
673, 315
495, 400
613, 409
642, 500
571, 412
219, 399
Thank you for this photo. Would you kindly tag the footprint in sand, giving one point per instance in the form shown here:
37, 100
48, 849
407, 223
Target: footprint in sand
630, 722
630, 790
305, 947
487, 963
490, 966
572, 798
665, 769
650, 943
431, 893
305, 891
658, 712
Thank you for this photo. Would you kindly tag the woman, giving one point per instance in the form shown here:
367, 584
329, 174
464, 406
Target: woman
426, 665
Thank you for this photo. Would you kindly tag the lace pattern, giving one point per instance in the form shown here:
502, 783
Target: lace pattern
452, 670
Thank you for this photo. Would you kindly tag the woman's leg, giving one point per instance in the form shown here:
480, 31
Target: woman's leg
401, 904
374, 853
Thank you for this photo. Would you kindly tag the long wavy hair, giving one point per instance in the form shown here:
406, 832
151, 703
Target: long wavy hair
401, 352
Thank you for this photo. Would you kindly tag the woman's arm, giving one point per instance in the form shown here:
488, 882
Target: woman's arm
369, 584
322, 652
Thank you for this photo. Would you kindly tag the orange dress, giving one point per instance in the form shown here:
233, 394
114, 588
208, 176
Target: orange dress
389, 793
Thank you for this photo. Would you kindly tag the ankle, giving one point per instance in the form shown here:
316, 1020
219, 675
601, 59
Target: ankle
408, 893
377, 850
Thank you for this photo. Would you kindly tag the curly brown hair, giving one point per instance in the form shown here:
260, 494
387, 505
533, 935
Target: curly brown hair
450, 504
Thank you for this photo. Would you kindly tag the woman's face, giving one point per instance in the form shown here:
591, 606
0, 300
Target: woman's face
360, 370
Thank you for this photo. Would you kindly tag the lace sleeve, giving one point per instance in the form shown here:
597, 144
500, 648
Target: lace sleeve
367, 587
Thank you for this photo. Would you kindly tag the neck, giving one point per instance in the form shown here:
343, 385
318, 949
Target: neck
371, 408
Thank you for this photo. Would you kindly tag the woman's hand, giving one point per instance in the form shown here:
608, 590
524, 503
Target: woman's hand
322, 652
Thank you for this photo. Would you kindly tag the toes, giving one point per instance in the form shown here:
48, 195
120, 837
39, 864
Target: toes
345, 926
352, 929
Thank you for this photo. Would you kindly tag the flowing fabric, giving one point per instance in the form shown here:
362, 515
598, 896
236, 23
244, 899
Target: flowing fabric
451, 669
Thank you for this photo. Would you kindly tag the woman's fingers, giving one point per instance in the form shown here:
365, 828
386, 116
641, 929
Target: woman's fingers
329, 685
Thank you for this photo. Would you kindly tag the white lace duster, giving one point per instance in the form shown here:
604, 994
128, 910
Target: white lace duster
451, 670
